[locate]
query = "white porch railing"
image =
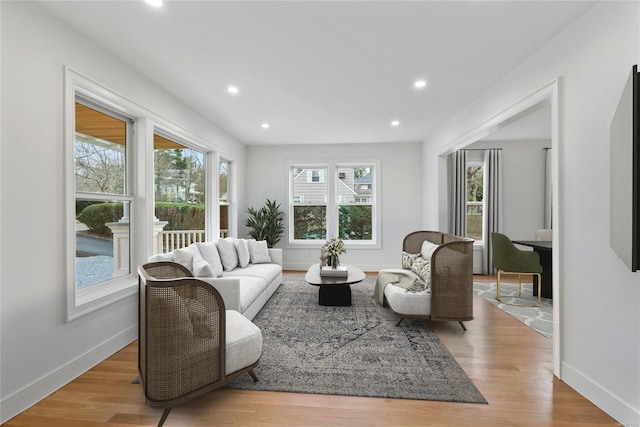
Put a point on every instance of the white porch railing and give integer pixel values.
(176, 239)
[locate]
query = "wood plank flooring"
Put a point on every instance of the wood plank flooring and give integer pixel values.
(509, 363)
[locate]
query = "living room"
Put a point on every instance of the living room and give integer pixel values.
(585, 64)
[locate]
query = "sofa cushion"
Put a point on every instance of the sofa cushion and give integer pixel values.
(244, 342)
(184, 256)
(201, 268)
(428, 249)
(269, 272)
(250, 289)
(243, 252)
(422, 268)
(258, 251)
(408, 259)
(209, 252)
(228, 253)
(403, 301)
(162, 257)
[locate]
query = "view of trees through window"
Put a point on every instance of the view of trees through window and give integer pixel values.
(352, 208)
(102, 202)
(475, 177)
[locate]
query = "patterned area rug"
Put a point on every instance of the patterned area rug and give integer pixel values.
(540, 319)
(354, 351)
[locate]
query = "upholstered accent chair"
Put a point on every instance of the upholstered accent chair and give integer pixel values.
(507, 258)
(188, 343)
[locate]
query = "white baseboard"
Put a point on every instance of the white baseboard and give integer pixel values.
(31, 394)
(623, 412)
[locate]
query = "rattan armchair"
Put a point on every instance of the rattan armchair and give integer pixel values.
(451, 296)
(188, 343)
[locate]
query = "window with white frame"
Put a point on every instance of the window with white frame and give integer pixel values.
(475, 199)
(224, 195)
(333, 200)
(111, 177)
(180, 188)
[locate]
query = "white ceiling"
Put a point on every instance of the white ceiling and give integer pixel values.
(323, 71)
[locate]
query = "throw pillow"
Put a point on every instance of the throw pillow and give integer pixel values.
(209, 252)
(259, 252)
(228, 253)
(201, 268)
(185, 256)
(243, 252)
(408, 259)
(428, 249)
(422, 268)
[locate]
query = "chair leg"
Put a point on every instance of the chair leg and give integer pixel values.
(253, 375)
(164, 416)
(400, 321)
(539, 288)
(498, 287)
(519, 285)
(462, 324)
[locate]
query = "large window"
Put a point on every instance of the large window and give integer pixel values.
(475, 198)
(180, 192)
(103, 198)
(131, 176)
(224, 171)
(333, 200)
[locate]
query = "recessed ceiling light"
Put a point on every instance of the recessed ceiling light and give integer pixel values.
(233, 89)
(156, 3)
(265, 125)
(395, 123)
(420, 84)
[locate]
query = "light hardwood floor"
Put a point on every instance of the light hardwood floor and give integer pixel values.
(509, 363)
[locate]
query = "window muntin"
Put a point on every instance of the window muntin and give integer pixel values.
(475, 200)
(102, 199)
(179, 193)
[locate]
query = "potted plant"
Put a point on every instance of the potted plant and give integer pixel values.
(266, 223)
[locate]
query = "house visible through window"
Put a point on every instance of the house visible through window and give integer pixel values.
(334, 200)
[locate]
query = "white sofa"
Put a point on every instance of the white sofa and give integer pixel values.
(245, 272)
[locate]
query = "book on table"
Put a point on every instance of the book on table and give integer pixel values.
(339, 271)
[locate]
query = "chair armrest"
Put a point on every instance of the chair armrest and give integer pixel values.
(229, 288)
(276, 255)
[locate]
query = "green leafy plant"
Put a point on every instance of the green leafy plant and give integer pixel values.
(266, 223)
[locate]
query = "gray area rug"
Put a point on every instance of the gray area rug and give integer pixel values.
(354, 351)
(540, 319)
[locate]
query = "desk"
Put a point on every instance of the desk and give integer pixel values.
(543, 248)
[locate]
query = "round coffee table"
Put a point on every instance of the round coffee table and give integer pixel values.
(334, 291)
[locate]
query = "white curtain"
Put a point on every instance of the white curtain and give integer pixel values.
(492, 215)
(548, 187)
(458, 193)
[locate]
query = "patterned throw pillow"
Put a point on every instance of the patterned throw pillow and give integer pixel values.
(422, 268)
(408, 259)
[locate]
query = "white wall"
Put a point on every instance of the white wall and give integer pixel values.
(400, 194)
(600, 297)
(39, 351)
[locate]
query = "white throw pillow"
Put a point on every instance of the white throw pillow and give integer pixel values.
(243, 252)
(201, 268)
(228, 253)
(428, 249)
(185, 256)
(209, 252)
(259, 252)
